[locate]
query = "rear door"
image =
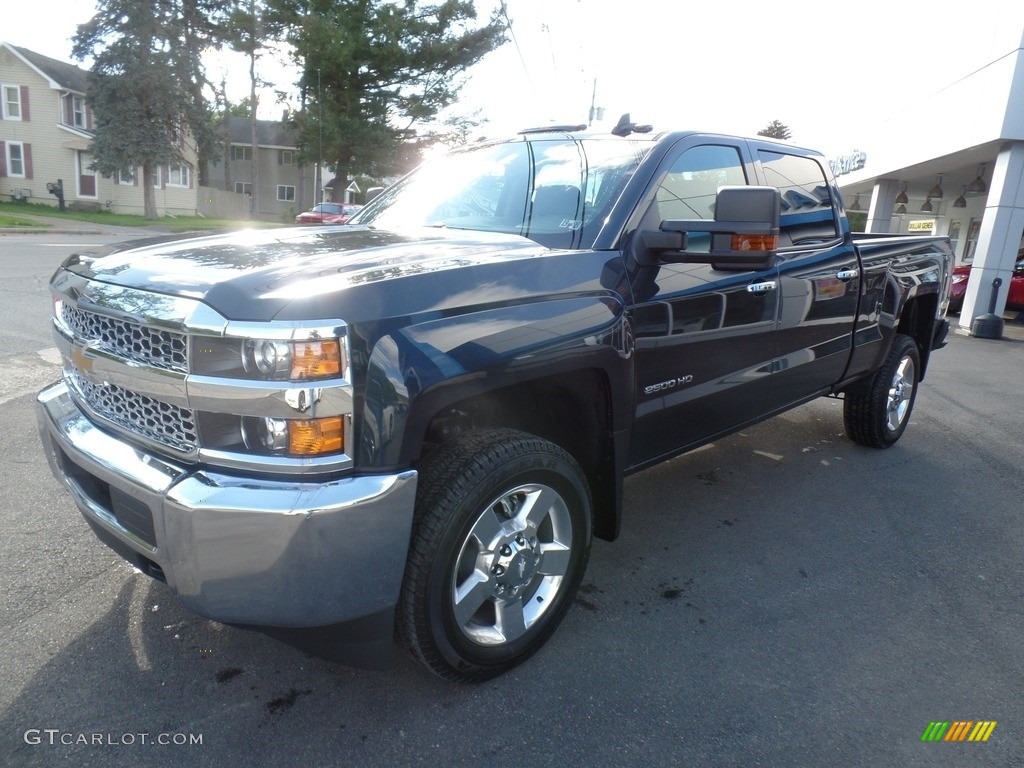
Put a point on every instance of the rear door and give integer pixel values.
(819, 278)
(703, 336)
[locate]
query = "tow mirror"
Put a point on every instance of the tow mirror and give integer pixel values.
(743, 235)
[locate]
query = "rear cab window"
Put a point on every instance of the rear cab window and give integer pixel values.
(808, 215)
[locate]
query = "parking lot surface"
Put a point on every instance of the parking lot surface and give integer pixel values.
(780, 598)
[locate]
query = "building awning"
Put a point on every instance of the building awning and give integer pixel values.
(81, 145)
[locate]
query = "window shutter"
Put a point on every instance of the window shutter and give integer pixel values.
(24, 104)
(280, 157)
(3, 159)
(26, 152)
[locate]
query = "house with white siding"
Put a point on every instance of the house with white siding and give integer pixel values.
(46, 129)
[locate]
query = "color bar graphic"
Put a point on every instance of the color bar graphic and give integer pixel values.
(959, 730)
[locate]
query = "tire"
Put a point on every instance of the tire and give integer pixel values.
(877, 415)
(499, 546)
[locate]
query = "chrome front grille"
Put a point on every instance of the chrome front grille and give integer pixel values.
(161, 422)
(131, 341)
(170, 372)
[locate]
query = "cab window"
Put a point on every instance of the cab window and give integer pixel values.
(689, 188)
(807, 214)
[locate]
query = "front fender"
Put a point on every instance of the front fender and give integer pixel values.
(421, 369)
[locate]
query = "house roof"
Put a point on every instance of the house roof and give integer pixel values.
(269, 133)
(60, 74)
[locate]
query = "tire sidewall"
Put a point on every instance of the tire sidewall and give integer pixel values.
(903, 347)
(535, 467)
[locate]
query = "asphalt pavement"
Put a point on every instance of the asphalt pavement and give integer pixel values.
(780, 598)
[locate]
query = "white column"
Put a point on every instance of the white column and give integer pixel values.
(883, 200)
(999, 238)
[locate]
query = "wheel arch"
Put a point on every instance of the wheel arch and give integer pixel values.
(560, 369)
(574, 409)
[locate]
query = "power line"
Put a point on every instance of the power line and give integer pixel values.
(515, 42)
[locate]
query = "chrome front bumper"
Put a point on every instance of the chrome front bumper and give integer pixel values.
(237, 549)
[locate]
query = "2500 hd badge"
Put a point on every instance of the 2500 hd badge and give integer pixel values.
(666, 385)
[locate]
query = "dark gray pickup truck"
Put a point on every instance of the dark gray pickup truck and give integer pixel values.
(415, 423)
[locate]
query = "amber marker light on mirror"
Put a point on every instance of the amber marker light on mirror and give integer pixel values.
(312, 437)
(316, 359)
(754, 242)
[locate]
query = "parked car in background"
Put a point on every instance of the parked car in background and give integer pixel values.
(328, 213)
(960, 275)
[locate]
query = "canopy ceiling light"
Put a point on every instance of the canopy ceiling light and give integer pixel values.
(978, 186)
(961, 202)
(936, 191)
(856, 203)
(927, 207)
(901, 198)
(901, 209)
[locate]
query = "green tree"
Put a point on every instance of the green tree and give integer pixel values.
(775, 130)
(375, 70)
(143, 84)
(200, 28)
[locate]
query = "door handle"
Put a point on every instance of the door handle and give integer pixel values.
(759, 289)
(847, 274)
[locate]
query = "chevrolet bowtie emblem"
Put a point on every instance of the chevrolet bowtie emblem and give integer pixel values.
(81, 359)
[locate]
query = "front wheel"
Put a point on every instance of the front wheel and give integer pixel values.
(877, 415)
(500, 544)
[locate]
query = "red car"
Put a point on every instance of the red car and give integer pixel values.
(328, 213)
(1014, 301)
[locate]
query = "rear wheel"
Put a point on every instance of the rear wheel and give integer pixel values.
(878, 415)
(500, 544)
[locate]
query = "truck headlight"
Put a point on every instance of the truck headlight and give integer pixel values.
(294, 360)
(272, 359)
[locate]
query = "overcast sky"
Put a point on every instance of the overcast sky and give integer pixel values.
(823, 69)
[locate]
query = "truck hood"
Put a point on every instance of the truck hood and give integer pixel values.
(255, 274)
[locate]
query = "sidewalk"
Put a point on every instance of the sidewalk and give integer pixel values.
(1011, 328)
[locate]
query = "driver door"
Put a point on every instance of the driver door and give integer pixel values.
(704, 337)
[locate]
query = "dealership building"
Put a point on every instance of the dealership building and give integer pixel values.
(953, 164)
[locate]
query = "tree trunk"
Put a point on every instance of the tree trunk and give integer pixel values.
(148, 197)
(222, 96)
(255, 200)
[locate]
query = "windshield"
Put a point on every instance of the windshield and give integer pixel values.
(555, 192)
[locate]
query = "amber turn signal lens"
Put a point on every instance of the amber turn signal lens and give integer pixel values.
(316, 359)
(313, 437)
(755, 242)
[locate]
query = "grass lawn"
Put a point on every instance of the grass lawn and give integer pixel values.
(11, 211)
(6, 221)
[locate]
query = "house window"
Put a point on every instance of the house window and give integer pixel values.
(241, 153)
(126, 176)
(11, 102)
(157, 176)
(285, 157)
(78, 112)
(178, 176)
(15, 159)
(285, 194)
(243, 187)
